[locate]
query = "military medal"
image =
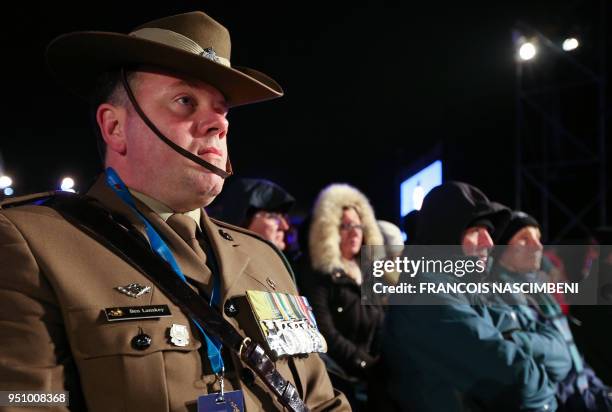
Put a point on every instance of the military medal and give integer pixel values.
(179, 335)
(287, 323)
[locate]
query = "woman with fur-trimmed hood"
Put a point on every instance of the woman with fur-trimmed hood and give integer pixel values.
(342, 221)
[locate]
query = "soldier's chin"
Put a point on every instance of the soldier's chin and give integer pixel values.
(207, 188)
(216, 185)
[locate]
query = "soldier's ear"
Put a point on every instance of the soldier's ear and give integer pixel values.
(111, 121)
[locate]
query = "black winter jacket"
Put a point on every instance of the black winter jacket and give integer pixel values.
(352, 330)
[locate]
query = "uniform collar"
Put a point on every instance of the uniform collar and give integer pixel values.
(162, 210)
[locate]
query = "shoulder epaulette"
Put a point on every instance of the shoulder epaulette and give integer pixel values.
(35, 198)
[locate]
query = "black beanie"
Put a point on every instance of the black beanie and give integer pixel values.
(518, 221)
(483, 222)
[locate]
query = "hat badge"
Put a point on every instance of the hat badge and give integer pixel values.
(210, 54)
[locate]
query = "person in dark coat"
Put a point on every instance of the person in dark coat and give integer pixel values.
(342, 221)
(258, 205)
(451, 356)
(538, 321)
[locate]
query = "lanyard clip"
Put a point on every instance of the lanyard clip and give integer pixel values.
(221, 379)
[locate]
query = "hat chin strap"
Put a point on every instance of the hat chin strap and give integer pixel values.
(214, 169)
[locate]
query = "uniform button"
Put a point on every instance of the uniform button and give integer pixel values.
(225, 235)
(230, 308)
(340, 309)
(247, 376)
(141, 341)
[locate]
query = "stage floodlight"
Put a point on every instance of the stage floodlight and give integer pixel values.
(67, 184)
(5, 182)
(527, 51)
(570, 44)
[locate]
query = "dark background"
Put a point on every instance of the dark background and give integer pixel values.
(373, 89)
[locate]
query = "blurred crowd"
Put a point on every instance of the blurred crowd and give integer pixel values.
(524, 352)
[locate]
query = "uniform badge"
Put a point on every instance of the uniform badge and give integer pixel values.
(210, 54)
(137, 312)
(179, 335)
(230, 402)
(134, 290)
(116, 312)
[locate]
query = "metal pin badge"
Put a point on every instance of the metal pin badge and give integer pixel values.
(116, 312)
(210, 54)
(225, 235)
(134, 290)
(179, 335)
(271, 282)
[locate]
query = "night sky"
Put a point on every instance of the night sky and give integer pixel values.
(373, 89)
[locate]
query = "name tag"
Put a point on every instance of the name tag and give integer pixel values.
(137, 312)
(287, 323)
(230, 402)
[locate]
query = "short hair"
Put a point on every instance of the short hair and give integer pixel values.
(108, 88)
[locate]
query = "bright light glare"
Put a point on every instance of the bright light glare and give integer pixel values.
(418, 194)
(527, 51)
(5, 182)
(570, 44)
(67, 184)
(8, 191)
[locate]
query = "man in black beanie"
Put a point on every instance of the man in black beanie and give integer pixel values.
(451, 355)
(523, 253)
(537, 322)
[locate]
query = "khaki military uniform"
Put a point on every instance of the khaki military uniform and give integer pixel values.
(55, 282)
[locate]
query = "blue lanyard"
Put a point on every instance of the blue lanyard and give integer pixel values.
(213, 345)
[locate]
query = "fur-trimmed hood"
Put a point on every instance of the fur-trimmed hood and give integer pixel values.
(324, 234)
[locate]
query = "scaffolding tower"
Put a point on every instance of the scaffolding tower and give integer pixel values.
(560, 144)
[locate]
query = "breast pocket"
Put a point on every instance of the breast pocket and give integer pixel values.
(133, 364)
